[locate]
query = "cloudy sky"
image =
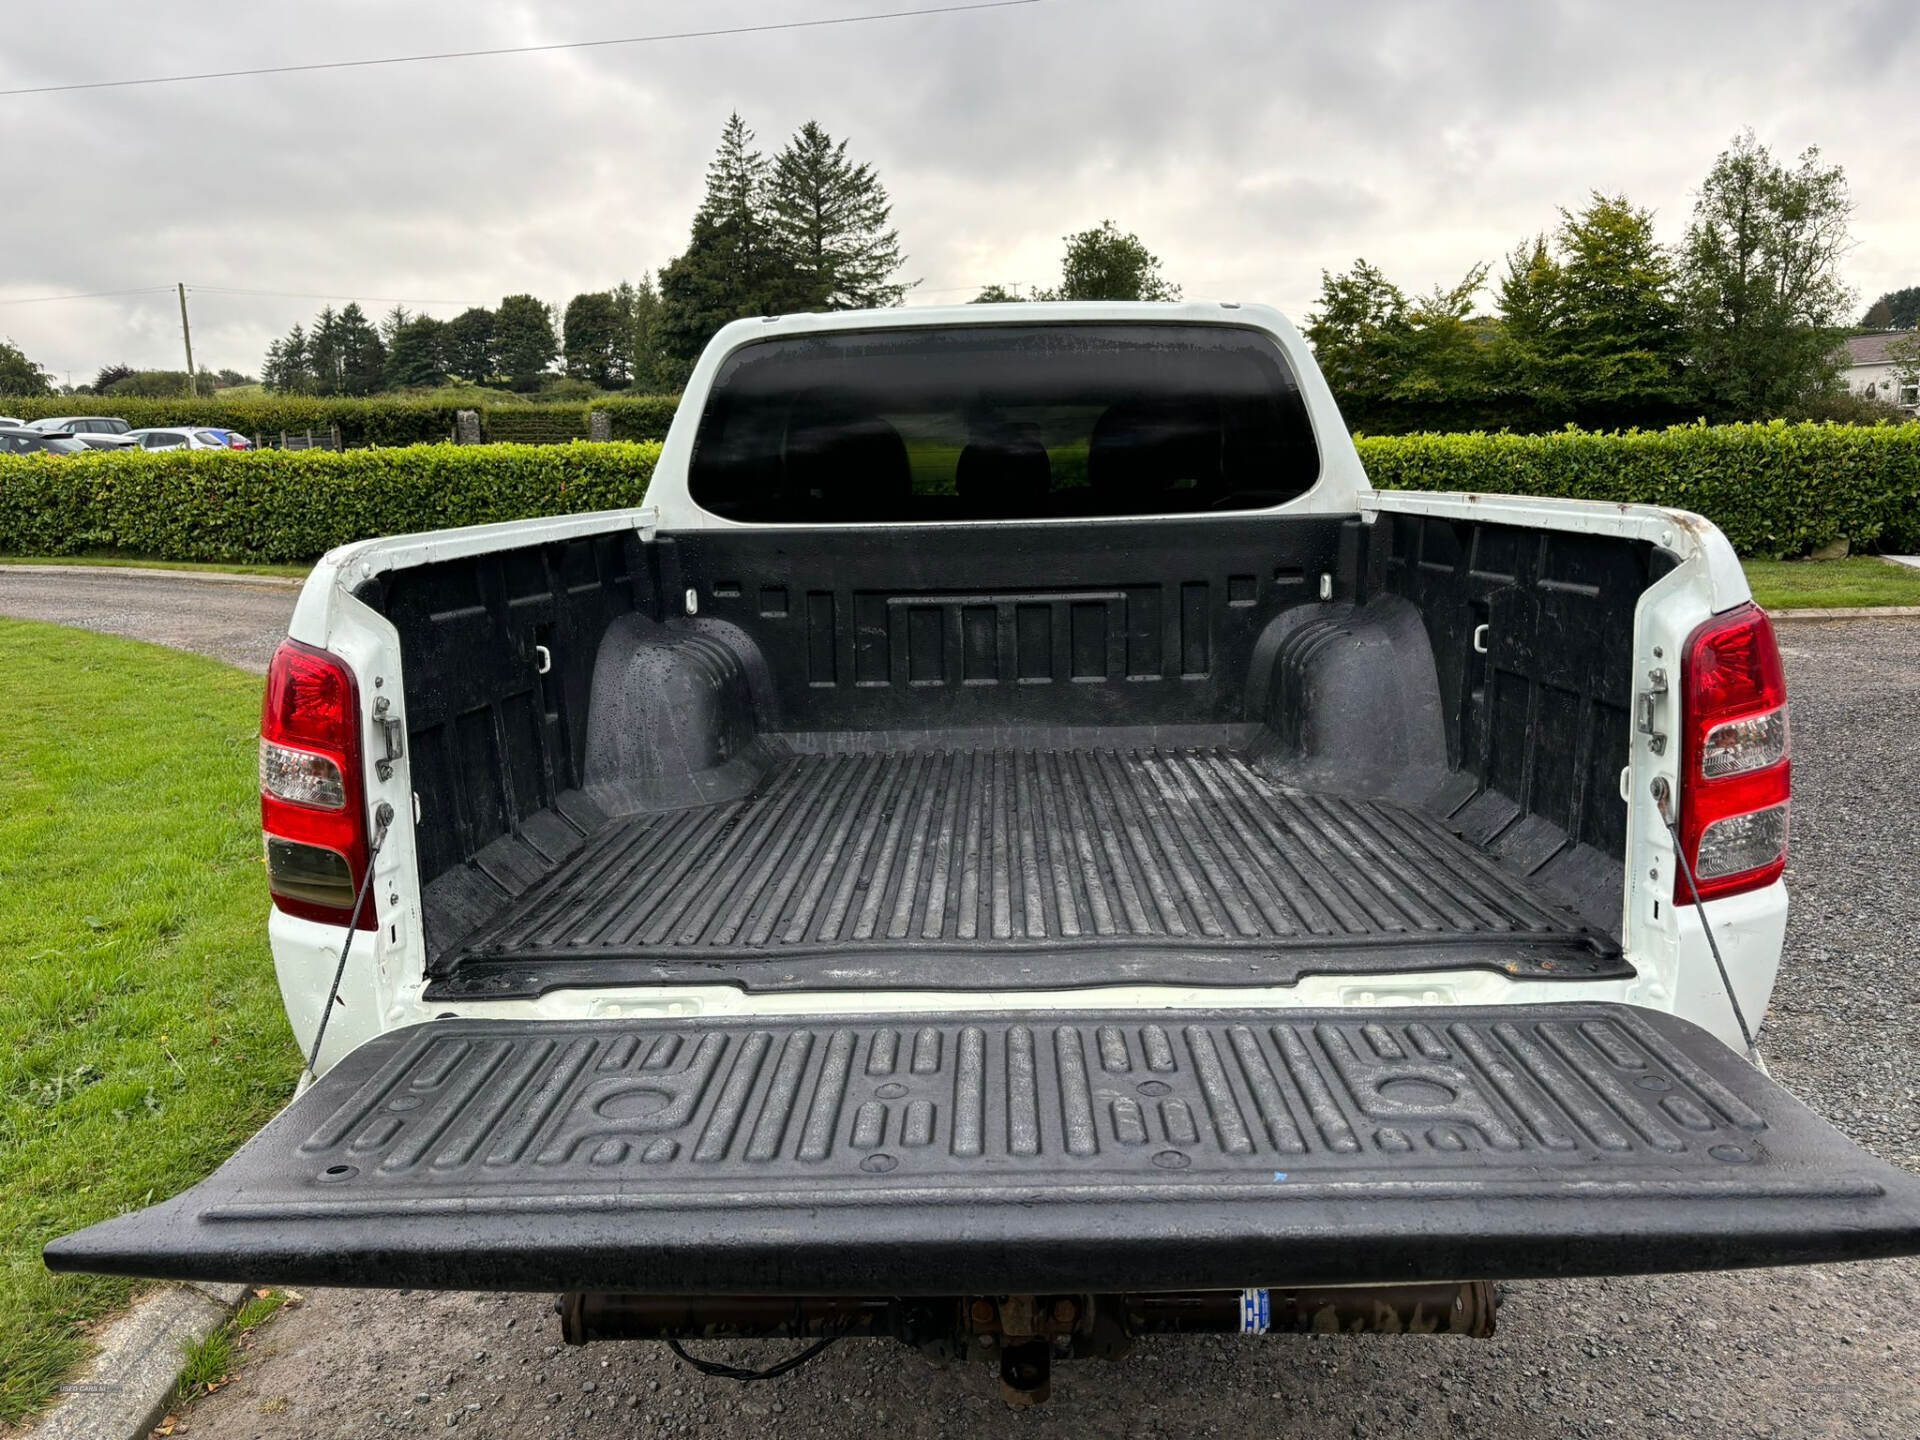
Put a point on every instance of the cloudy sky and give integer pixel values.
(1249, 142)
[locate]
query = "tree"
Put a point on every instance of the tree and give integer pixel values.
(1358, 333)
(108, 376)
(1761, 289)
(287, 366)
(1396, 363)
(19, 375)
(470, 346)
(595, 348)
(997, 295)
(393, 322)
(1895, 310)
(417, 354)
(1905, 354)
(1106, 264)
(523, 338)
(730, 268)
(827, 219)
(1593, 332)
(362, 358)
(162, 384)
(323, 353)
(647, 365)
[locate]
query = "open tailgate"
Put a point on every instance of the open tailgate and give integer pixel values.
(987, 1153)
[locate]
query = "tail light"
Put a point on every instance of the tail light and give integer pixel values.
(1736, 780)
(311, 803)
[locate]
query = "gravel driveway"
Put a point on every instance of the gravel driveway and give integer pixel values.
(1822, 1351)
(236, 620)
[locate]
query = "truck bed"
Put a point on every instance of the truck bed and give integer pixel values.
(968, 868)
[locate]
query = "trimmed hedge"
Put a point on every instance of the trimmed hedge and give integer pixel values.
(290, 505)
(1777, 490)
(377, 420)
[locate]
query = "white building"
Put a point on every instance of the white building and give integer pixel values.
(1870, 371)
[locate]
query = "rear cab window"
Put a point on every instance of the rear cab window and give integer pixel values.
(1003, 422)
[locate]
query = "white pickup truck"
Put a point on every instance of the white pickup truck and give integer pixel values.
(1015, 847)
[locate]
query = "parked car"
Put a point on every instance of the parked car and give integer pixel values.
(235, 440)
(18, 440)
(83, 424)
(108, 442)
(8, 422)
(182, 437)
(1017, 847)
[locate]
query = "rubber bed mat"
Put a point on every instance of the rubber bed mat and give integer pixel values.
(1015, 850)
(1069, 1151)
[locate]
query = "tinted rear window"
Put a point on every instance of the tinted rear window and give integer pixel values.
(1001, 423)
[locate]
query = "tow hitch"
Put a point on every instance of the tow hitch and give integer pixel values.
(1025, 1334)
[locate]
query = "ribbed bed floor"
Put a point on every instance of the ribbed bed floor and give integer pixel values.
(1015, 849)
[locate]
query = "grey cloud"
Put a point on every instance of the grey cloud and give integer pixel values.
(1250, 144)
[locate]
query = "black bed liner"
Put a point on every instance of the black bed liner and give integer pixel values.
(984, 1153)
(1105, 865)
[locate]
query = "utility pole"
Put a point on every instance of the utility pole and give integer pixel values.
(186, 334)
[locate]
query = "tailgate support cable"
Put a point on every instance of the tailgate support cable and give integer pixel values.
(382, 818)
(1661, 794)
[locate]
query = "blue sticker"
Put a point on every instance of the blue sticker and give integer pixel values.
(1279, 1175)
(1254, 1312)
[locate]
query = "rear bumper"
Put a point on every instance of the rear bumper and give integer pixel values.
(989, 1153)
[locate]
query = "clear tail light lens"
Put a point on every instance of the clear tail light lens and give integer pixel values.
(1741, 844)
(312, 807)
(1736, 779)
(301, 777)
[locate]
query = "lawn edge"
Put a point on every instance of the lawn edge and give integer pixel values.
(129, 1383)
(143, 572)
(1850, 612)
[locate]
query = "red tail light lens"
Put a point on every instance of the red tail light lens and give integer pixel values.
(311, 803)
(1736, 776)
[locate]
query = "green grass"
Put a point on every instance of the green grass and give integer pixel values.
(1861, 580)
(209, 1360)
(141, 1036)
(109, 558)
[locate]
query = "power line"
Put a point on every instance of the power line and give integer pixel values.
(306, 295)
(91, 295)
(526, 49)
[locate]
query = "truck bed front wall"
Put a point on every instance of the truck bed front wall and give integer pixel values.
(975, 1152)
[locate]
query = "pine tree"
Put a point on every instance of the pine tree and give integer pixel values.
(363, 359)
(470, 349)
(828, 218)
(286, 366)
(730, 268)
(1895, 310)
(323, 353)
(639, 353)
(393, 322)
